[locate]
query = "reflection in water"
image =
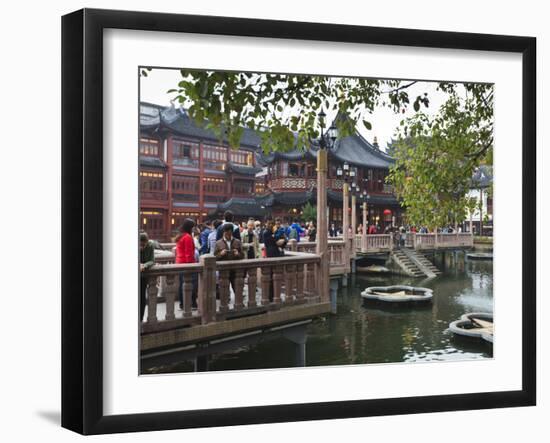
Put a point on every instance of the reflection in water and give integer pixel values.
(361, 334)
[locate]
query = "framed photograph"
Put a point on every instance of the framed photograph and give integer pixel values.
(269, 221)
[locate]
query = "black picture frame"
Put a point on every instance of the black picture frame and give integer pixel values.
(82, 188)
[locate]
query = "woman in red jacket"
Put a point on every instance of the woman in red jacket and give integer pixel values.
(185, 253)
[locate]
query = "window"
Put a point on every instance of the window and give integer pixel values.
(185, 153)
(148, 146)
(151, 181)
(295, 170)
(152, 222)
(185, 184)
(243, 187)
(260, 188)
(214, 157)
(283, 169)
(214, 185)
(242, 157)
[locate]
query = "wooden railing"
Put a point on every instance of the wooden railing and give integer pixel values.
(423, 241)
(338, 256)
(376, 243)
(409, 239)
(373, 243)
(243, 287)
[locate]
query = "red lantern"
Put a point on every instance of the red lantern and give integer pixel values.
(387, 212)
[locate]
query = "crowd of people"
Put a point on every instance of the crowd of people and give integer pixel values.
(228, 240)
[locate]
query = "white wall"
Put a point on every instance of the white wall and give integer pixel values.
(30, 184)
(475, 193)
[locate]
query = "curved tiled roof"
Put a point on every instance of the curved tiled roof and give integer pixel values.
(353, 149)
(242, 169)
(151, 162)
(242, 206)
(178, 121)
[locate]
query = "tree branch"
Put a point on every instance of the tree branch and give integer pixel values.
(399, 88)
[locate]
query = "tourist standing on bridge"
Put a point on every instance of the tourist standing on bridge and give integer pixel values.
(146, 260)
(273, 247)
(258, 228)
(294, 231)
(251, 241)
(204, 237)
(185, 253)
(212, 236)
(332, 231)
(279, 233)
(312, 232)
(229, 248)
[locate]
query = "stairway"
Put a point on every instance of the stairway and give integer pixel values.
(408, 266)
(414, 264)
(426, 265)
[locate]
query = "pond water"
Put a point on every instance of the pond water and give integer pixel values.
(361, 333)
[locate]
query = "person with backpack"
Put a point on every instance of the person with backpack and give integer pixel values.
(274, 242)
(203, 238)
(294, 231)
(279, 234)
(212, 236)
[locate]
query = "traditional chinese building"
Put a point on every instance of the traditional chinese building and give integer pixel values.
(186, 171)
(481, 189)
(291, 181)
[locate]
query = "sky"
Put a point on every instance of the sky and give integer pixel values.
(384, 121)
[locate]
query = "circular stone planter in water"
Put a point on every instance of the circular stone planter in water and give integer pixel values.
(479, 256)
(476, 325)
(397, 294)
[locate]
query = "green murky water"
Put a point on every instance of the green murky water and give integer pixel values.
(361, 333)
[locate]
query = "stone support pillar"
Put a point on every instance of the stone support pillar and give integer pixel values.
(364, 233)
(322, 225)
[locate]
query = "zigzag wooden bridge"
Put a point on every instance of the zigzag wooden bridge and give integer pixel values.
(295, 281)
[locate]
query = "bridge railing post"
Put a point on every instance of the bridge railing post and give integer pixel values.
(293, 245)
(152, 292)
(207, 289)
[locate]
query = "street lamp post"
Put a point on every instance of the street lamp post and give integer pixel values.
(364, 236)
(345, 173)
(354, 190)
(325, 141)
